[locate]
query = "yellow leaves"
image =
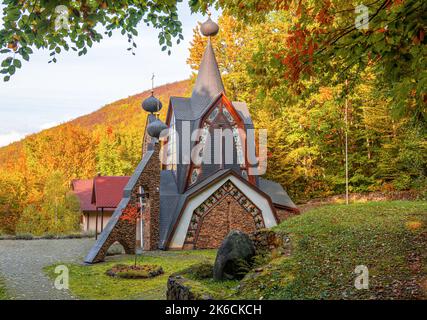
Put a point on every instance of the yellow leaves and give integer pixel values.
(325, 94)
(413, 225)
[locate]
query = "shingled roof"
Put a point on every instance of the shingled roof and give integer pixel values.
(83, 190)
(208, 84)
(108, 191)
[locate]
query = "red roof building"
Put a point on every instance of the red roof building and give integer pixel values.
(108, 191)
(98, 199)
(83, 190)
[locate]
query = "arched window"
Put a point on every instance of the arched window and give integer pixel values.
(172, 147)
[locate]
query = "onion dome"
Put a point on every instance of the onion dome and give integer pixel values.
(155, 128)
(151, 104)
(209, 28)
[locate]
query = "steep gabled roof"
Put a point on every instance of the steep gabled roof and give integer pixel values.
(208, 83)
(108, 191)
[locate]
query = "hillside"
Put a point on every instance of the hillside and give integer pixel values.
(113, 114)
(389, 238)
(107, 141)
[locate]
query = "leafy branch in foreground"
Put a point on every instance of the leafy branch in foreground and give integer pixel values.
(34, 24)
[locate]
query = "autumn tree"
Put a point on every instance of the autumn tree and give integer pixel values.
(305, 118)
(58, 212)
(132, 214)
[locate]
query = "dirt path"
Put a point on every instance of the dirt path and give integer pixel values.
(22, 262)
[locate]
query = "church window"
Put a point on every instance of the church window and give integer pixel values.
(213, 114)
(171, 151)
(194, 175)
(245, 174)
(205, 132)
(238, 143)
(227, 114)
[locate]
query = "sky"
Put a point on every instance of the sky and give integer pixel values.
(42, 95)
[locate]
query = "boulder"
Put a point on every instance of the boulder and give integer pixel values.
(234, 256)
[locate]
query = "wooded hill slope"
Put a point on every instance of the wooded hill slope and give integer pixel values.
(107, 141)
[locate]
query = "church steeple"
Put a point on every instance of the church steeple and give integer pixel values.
(208, 83)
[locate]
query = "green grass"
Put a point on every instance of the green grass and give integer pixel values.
(390, 238)
(91, 282)
(3, 293)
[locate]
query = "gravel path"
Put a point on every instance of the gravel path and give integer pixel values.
(22, 262)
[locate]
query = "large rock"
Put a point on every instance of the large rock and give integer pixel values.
(234, 256)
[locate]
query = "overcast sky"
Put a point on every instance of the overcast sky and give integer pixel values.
(42, 95)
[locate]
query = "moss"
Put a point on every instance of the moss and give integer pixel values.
(199, 271)
(135, 272)
(199, 278)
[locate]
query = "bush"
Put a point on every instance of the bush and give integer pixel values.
(24, 236)
(49, 236)
(135, 272)
(203, 270)
(88, 234)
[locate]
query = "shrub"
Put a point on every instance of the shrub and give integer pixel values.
(49, 236)
(203, 270)
(24, 236)
(135, 272)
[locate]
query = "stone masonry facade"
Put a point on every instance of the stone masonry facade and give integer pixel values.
(283, 214)
(124, 232)
(225, 210)
(149, 180)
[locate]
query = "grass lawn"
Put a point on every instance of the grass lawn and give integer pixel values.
(91, 282)
(390, 238)
(3, 294)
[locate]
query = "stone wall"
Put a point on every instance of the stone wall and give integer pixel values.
(180, 288)
(219, 221)
(123, 231)
(266, 240)
(283, 214)
(225, 210)
(149, 180)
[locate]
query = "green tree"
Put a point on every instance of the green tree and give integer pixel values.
(29, 24)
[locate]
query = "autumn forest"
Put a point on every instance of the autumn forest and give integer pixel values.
(294, 86)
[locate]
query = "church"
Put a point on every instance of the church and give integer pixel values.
(197, 179)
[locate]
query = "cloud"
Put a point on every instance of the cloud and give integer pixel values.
(10, 137)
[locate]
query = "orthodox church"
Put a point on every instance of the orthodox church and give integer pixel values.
(190, 188)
